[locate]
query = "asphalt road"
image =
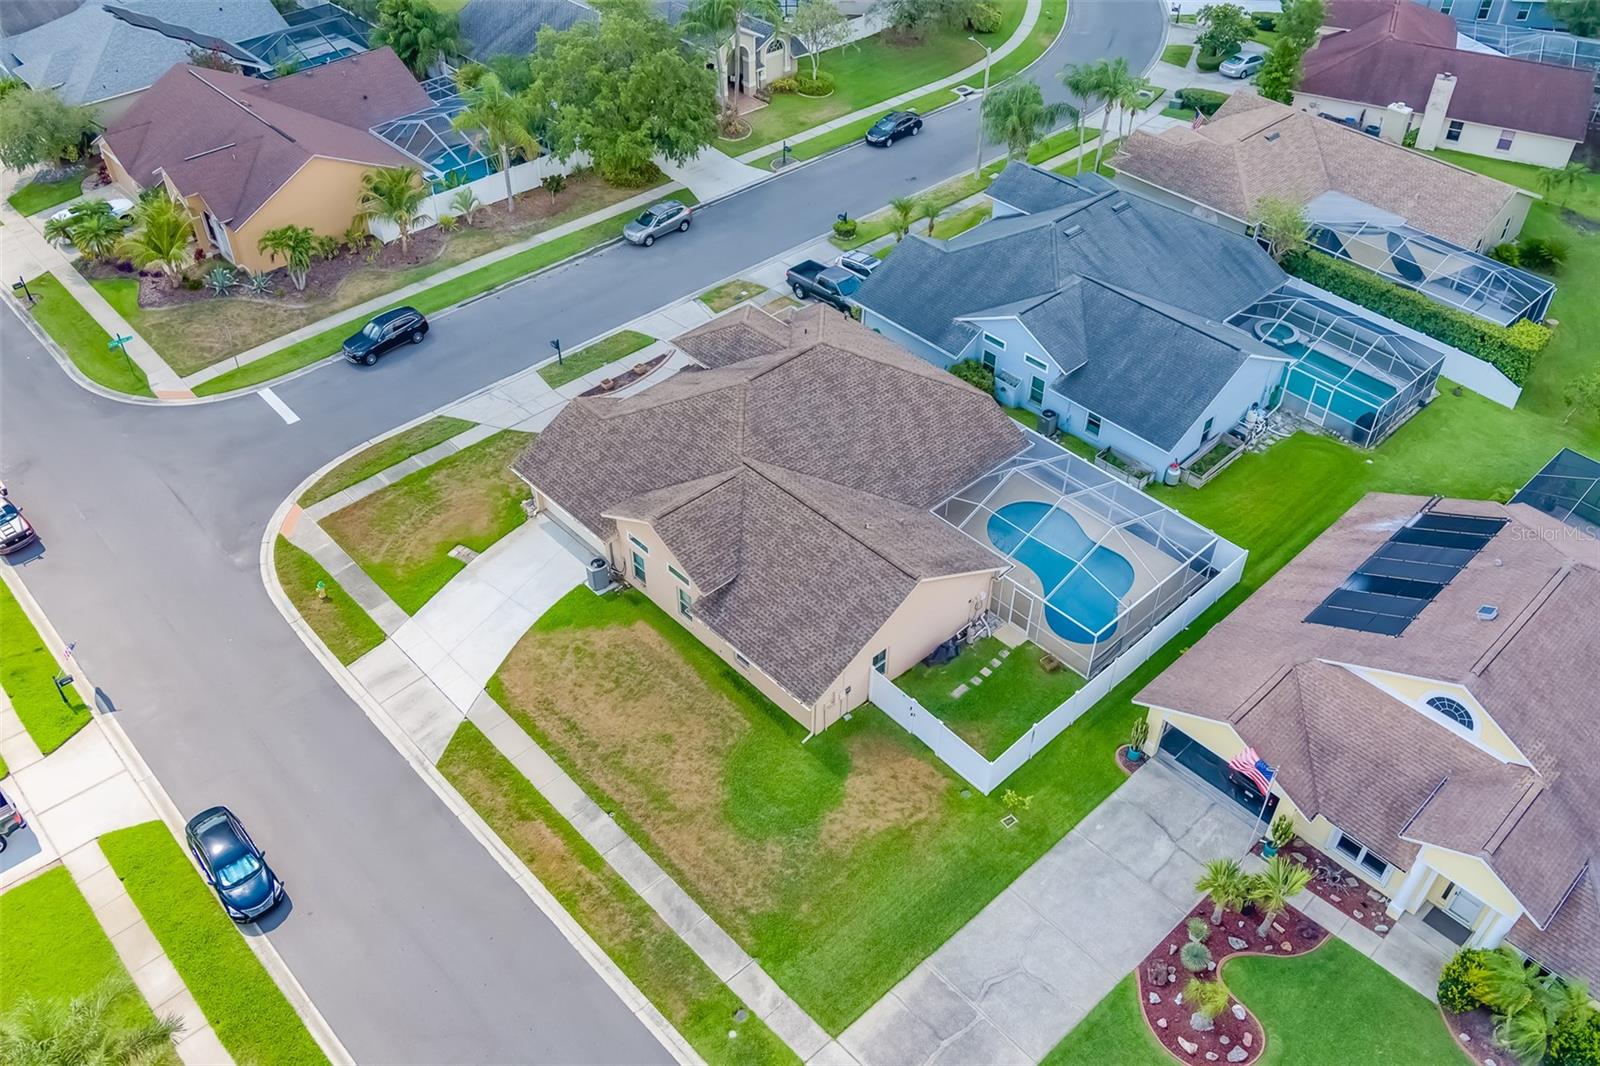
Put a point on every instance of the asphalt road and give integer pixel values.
(409, 937)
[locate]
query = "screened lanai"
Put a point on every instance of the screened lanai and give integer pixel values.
(1350, 375)
(1098, 562)
(429, 137)
(1382, 242)
(315, 35)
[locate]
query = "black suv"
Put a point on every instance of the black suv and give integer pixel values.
(384, 332)
(892, 127)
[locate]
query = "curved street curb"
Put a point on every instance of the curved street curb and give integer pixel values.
(635, 1000)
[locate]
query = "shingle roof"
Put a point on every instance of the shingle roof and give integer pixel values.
(1034, 190)
(795, 497)
(1255, 147)
(1396, 778)
(235, 140)
(1393, 50)
(496, 27)
(89, 54)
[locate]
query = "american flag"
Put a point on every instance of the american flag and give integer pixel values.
(1251, 765)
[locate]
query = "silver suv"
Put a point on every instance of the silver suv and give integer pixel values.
(657, 221)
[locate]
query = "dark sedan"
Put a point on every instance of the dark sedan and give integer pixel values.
(233, 865)
(403, 325)
(892, 127)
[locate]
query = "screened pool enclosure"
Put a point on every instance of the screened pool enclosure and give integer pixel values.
(448, 156)
(1350, 375)
(315, 35)
(1097, 563)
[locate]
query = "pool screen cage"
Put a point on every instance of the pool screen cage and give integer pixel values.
(1568, 488)
(429, 136)
(1349, 229)
(1171, 557)
(315, 35)
(1366, 379)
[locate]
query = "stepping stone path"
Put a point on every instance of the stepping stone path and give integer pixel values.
(958, 692)
(985, 671)
(974, 681)
(995, 663)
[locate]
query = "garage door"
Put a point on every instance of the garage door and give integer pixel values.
(1213, 770)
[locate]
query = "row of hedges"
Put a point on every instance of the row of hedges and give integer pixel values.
(804, 84)
(1509, 350)
(1205, 101)
(1540, 1018)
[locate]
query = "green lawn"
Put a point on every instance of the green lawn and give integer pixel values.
(1052, 17)
(643, 946)
(384, 454)
(401, 535)
(963, 220)
(60, 314)
(573, 366)
(244, 1006)
(730, 293)
(1058, 143)
(27, 672)
(1332, 1005)
(943, 196)
(35, 196)
(1585, 200)
(440, 296)
(991, 716)
(54, 949)
(1177, 54)
(1187, 114)
(347, 630)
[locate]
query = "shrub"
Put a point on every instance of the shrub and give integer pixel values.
(1265, 20)
(1511, 351)
(1507, 253)
(1208, 62)
(844, 228)
(192, 284)
(1576, 1041)
(821, 85)
(975, 374)
(985, 18)
(1208, 998)
(783, 85)
(1205, 101)
(1542, 253)
(1195, 956)
(1410, 139)
(1456, 992)
(1198, 929)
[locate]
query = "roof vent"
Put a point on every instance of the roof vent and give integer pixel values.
(1120, 206)
(1272, 136)
(1488, 613)
(1072, 230)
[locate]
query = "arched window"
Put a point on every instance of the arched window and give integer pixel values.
(775, 46)
(1454, 710)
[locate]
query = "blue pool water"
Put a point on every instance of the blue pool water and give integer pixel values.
(1050, 542)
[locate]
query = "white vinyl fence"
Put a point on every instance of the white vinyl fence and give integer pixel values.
(488, 190)
(986, 775)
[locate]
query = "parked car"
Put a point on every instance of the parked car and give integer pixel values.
(120, 206)
(232, 864)
(861, 264)
(830, 284)
(10, 820)
(658, 220)
(892, 127)
(402, 325)
(1242, 65)
(16, 532)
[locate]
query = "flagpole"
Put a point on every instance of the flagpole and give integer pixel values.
(1260, 817)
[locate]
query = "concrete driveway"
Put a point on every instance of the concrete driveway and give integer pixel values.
(1020, 975)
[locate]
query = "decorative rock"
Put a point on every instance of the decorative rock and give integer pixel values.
(1466, 1038)
(1236, 944)
(1161, 1023)
(1269, 947)
(1172, 949)
(1189, 1046)
(1154, 998)
(1357, 914)
(1373, 893)
(1381, 927)
(1211, 965)
(1333, 899)
(1211, 1056)
(1488, 1062)
(1238, 1011)
(1223, 1040)
(1286, 946)
(1248, 1038)
(1240, 925)
(1238, 1054)
(1178, 999)
(1172, 974)
(1279, 928)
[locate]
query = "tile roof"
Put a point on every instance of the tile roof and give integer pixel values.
(89, 54)
(1255, 147)
(1395, 777)
(235, 140)
(794, 495)
(1392, 50)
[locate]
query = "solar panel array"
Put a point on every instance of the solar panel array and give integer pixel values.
(1403, 576)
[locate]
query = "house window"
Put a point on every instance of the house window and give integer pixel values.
(989, 358)
(638, 568)
(1454, 710)
(637, 543)
(1453, 131)
(1504, 144)
(1036, 363)
(1522, 12)
(880, 661)
(675, 572)
(1092, 425)
(775, 46)
(684, 603)
(1444, 8)
(1036, 391)
(1205, 430)
(1483, 9)
(1358, 853)
(991, 339)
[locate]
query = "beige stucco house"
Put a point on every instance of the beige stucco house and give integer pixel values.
(248, 155)
(777, 506)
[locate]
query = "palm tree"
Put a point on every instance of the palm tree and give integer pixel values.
(714, 23)
(394, 194)
(1082, 80)
(162, 237)
(1132, 96)
(1272, 888)
(96, 235)
(504, 122)
(48, 1032)
(902, 212)
(1113, 81)
(1016, 114)
(929, 210)
(296, 245)
(1566, 179)
(1225, 882)
(466, 203)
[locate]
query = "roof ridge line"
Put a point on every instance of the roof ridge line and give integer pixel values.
(1513, 817)
(755, 468)
(1522, 619)
(246, 108)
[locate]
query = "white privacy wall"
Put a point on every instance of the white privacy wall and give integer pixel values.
(489, 190)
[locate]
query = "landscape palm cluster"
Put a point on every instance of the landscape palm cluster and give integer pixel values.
(1015, 112)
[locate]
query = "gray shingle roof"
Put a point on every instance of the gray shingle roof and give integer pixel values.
(793, 493)
(1034, 190)
(499, 27)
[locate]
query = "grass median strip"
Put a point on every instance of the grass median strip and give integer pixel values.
(1177, 54)
(574, 365)
(730, 293)
(663, 967)
(245, 1007)
(401, 535)
(28, 672)
(384, 454)
(941, 196)
(1052, 17)
(34, 197)
(961, 221)
(60, 315)
(445, 294)
(347, 630)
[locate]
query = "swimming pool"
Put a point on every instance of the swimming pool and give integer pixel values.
(1048, 541)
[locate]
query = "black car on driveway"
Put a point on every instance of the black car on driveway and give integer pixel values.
(232, 864)
(892, 127)
(403, 325)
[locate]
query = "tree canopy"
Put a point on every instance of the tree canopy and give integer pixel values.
(417, 31)
(37, 126)
(1015, 113)
(1223, 27)
(1297, 31)
(1581, 17)
(820, 26)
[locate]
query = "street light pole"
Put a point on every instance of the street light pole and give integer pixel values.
(988, 54)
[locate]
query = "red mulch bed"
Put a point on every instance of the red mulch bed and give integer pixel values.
(637, 372)
(1125, 764)
(1474, 1034)
(1351, 896)
(1160, 975)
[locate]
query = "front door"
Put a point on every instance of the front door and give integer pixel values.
(1464, 907)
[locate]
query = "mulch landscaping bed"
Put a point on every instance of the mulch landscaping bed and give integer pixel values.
(1474, 1034)
(1127, 765)
(635, 373)
(1236, 1036)
(1339, 888)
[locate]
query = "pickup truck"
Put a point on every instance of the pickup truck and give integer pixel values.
(830, 284)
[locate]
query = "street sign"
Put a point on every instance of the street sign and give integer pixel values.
(119, 342)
